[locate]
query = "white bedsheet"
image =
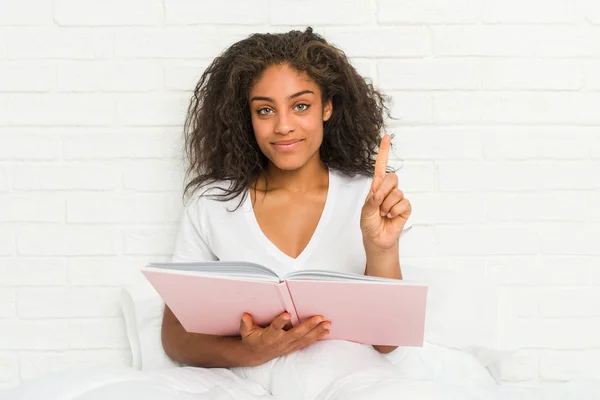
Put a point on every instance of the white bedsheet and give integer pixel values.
(329, 371)
(187, 383)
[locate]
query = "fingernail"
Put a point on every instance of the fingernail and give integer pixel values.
(327, 326)
(389, 215)
(286, 317)
(377, 196)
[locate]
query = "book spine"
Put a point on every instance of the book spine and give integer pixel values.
(287, 302)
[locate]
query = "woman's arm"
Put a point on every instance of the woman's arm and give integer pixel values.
(203, 350)
(385, 264)
(382, 218)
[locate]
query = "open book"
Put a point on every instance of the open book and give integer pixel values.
(210, 297)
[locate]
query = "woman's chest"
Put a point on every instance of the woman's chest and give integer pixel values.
(330, 240)
(290, 224)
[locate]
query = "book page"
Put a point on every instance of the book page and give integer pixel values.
(234, 269)
(320, 275)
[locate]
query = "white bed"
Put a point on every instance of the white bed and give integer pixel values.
(465, 369)
(221, 384)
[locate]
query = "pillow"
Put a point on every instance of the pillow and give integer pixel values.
(440, 364)
(142, 309)
(462, 313)
(128, 311)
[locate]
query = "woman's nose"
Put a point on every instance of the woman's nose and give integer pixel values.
(284, 125)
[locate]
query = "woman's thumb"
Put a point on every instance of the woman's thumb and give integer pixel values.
(245, 324)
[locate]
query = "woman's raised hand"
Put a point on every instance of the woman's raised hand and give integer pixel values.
(274, 341)
(386, 210)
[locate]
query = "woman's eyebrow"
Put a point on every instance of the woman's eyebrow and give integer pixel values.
(293, 96)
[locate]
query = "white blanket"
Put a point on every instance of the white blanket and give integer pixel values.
(327, 371)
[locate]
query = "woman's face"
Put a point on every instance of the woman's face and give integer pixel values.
(287, 117)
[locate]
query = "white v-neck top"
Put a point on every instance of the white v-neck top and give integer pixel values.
(210, 231)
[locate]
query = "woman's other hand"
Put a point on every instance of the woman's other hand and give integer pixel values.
(385, 210)
(273, 341)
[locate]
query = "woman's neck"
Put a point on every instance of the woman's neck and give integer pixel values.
(312, 176)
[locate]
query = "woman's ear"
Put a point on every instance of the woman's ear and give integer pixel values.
(327, 110)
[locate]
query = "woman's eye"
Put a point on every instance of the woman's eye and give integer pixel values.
(267, 111)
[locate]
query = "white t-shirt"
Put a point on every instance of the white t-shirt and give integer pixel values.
(210, 231)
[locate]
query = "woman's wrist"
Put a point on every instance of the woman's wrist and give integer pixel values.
(252, 358)
(243, 355)
(383, 263)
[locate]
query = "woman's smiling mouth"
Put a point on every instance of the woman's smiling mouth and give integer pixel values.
(287, 145)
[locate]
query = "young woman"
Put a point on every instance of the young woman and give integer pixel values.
(289, 170)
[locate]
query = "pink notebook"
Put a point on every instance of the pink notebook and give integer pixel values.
(210, 298)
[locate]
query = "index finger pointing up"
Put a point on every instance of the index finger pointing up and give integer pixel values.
(382, 157)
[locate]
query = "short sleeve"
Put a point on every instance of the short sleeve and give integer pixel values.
(191, 243)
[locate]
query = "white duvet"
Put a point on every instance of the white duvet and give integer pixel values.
(329, 370)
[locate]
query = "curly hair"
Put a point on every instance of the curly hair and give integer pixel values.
(219, 138)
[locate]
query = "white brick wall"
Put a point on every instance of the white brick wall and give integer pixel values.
(497, 133)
